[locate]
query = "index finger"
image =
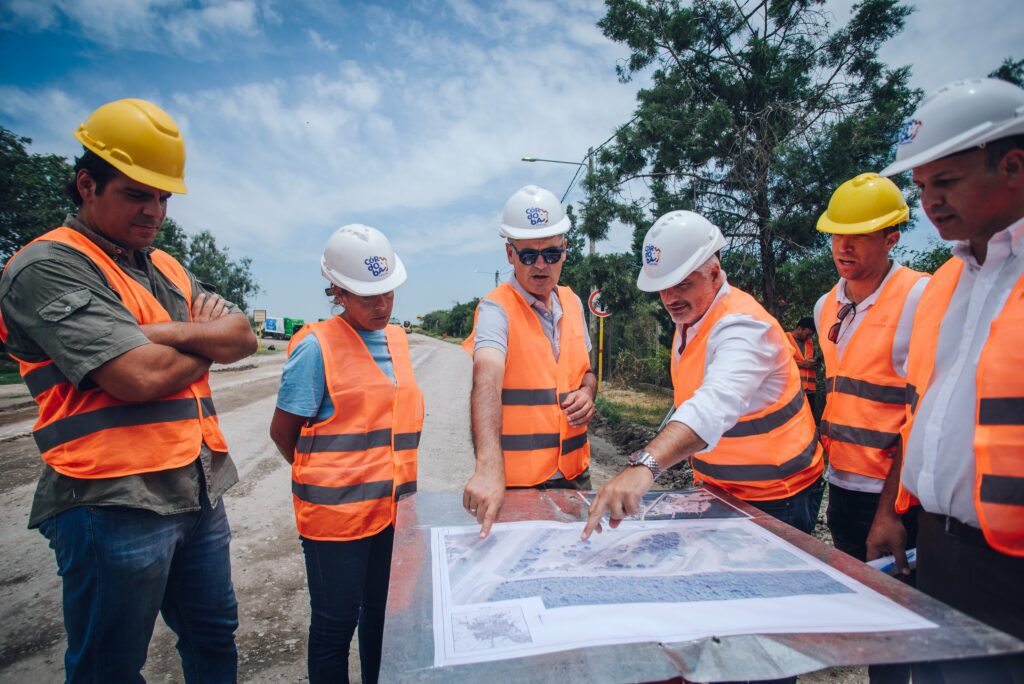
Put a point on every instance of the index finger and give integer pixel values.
(597, 509)
(489, 517)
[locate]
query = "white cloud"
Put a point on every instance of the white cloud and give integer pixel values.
(146, 25)
(320, 43)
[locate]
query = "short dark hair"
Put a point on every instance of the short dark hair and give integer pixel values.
(101, 171)
(889, 230)
(807, 322)
(997, 149)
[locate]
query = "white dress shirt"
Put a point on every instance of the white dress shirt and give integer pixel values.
(745, 370)
(938, 464)
(900, 346)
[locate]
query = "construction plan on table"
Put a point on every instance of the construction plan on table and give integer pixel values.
(533, 587)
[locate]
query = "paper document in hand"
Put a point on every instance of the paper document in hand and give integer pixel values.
(534, 587)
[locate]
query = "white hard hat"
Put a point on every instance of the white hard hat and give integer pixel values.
(676, 245)
(360, 259)
(532, 213)
(957, 117)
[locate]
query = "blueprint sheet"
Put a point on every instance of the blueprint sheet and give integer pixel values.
(533, 587)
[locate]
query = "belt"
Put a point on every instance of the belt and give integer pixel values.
(960, 530)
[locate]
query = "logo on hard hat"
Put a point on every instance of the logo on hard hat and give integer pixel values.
(908, 131)
(376, 265)
(537, 216)
(652, 255)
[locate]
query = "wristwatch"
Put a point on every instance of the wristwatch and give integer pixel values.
(642, 457)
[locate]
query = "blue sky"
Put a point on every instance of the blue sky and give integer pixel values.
(304, 115)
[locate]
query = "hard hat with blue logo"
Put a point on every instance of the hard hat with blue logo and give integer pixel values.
(676, 245)
(531, 213)
(958, 117)
(360, 259)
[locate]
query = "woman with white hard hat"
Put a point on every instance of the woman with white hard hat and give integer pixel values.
(348, 419)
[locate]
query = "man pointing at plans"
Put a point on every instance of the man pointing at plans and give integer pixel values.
(741, 415)
(533, 390)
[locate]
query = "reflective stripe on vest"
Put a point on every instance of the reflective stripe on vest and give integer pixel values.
(865, 398)
(808, 377)
(999, 410)
(536, 437)
(86, 433)
(769, 454)
(350, 470)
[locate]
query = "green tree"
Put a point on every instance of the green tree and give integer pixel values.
(232, 280)
(1011, 70)
(757, 111)
(173, 239)
(32, 193)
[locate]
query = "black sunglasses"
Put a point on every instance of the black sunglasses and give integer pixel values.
(833, 332)
(528, 257)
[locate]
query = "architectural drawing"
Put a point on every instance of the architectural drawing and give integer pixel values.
(534, 587)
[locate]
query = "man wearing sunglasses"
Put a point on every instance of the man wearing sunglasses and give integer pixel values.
(741, 415)
(964, 435)
(533, 390)
(868, 316)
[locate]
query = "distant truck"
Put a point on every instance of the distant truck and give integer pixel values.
(278, 328)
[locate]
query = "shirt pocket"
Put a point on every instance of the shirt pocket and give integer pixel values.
(73, 321)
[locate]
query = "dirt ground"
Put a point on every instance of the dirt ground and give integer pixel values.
(267, 564)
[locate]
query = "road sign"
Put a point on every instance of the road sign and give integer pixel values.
(596, 308)
(259, 315)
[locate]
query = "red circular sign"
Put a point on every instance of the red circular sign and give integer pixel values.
(596, 308)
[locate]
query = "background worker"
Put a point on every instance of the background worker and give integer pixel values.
(802, 339)
(868, 314)
(115, 341)
(964, 435)
(348, 419)
(741, 416)
(533, 390)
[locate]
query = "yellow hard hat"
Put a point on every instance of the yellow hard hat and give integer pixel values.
(140, 140)
(863, 205)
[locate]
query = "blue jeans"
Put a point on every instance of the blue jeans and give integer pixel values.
(121, 566)
(348, 586)
(799, 510)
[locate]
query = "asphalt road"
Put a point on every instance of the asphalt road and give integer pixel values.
(267, 565)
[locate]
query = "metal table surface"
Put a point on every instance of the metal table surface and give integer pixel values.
(408, 652)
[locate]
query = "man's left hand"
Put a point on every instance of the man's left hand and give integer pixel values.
(579, 407)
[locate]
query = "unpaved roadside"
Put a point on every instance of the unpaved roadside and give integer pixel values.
(267, 564)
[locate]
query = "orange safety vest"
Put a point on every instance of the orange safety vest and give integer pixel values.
(87, 433)
(350, 470)
(769, 454)
(536, 438)
(808, 378)
(999, 408)
(865, 398)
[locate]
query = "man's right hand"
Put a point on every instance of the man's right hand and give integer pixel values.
(888, 536)
(483, 496)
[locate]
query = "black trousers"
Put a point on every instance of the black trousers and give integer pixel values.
(849, 516)
(956, 566)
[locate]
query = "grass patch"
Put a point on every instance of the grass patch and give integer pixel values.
(9, 378)
(633, 404)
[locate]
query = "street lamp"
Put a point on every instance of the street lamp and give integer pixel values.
(589, 163)
(591, 243)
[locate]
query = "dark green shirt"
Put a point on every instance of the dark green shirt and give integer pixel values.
(57, 304)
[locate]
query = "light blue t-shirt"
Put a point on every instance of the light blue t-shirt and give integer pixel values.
(303, 389)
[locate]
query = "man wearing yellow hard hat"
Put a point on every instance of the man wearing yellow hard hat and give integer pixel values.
(864, 325)
(115, 340)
